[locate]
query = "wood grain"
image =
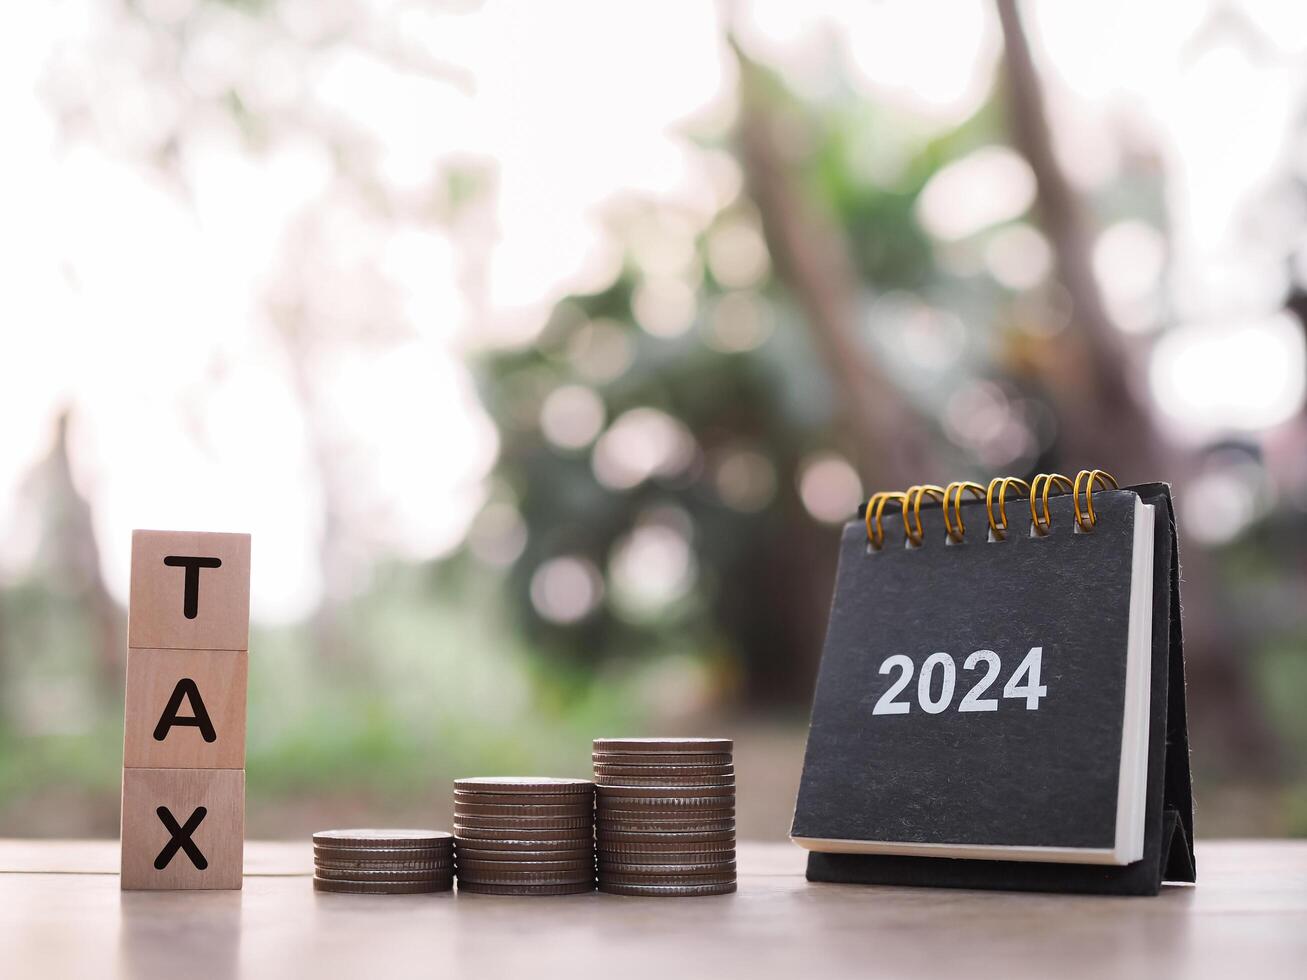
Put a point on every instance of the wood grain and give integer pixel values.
(1244, 919)
(156, 617)
(220, 836)
(220, 678)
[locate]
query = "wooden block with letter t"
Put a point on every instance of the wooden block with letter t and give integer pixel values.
(190, 590)
(185, 709)
(183, 828)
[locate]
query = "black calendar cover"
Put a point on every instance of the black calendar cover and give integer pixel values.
(1026, 765)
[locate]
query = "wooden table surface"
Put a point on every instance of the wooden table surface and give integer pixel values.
(63, 915)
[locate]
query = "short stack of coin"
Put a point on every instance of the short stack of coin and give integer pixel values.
(383, 862)
(665, 815)
(524, 835)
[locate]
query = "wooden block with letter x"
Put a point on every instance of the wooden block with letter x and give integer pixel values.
(185, 709)
(183, 828)
(190, 590)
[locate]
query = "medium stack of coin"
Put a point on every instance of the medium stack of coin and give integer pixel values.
(524, 835)
(383, 862)
(665, 815)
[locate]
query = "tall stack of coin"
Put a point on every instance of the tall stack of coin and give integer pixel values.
(665, 815)
(383, 862)
(524, 835)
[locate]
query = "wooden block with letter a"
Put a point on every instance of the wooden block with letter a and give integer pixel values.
(185, 709)
(183, 828)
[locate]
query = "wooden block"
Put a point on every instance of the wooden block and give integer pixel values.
(185, 709)
(183, 828)
(190, 591)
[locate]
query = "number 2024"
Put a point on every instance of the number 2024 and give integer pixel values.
(1023, 684)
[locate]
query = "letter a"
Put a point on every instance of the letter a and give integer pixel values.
(199, 718)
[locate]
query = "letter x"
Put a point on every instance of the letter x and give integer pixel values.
(181, 838)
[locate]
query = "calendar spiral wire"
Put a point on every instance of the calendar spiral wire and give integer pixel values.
(995, 496)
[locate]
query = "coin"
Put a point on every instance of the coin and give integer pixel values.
(603, 781)
(578, 804)
(444, 864)
(462, 822)
(385, 854)
(627, 807)
(528, 877)
(671, 822)
(367, 837)
(666, 891)
(496, 844)
(685, 813)
(476, 888)
(667, 827)
(521, 810)
(706, 878)
(616, 860)
(636, 850)
(534, 785)
(693, 793)
(663, 758)
(658, 811)
(383, 887)
(390, 874)
(620, 862)
(572, 834)
(679, 839)
(476, 853)
(671, 873)
(658, 745)
(606, 769)
(698, 814)
(483, 868)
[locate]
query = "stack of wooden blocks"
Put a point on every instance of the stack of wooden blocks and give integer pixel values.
(183, 815)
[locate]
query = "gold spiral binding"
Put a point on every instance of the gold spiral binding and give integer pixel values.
(955, 490)
(1046, 481)
(999, 527)
(913, 529)
(995, 496)
(1091, 477)
(875, 514)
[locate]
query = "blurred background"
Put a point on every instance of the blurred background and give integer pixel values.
(544, 348)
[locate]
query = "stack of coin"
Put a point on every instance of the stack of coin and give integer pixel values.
(665, 815)
(524, 835)
(383, 862)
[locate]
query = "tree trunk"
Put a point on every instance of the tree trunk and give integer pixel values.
(76, 556)
(1103, 424)
(813, 259)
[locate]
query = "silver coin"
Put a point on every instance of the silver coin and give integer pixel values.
(354, 874)
(660, 745)
(446, 863)
(495, 822)
(478, 888)
(485, 869)
(383, 887)
(532, 854)
(667, 891)
(659, 782)
(462, 809)
(523, 834)
(608, 870)
(535, 785)
(663, 759)
(664, 838)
